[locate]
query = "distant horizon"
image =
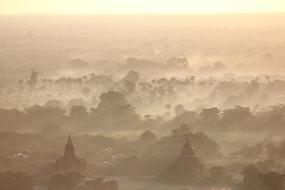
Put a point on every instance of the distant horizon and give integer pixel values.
(142, 14)
(141, 7)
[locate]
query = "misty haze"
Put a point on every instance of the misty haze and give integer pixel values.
(142, 101)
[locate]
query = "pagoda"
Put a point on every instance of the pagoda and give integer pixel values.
(69, 162)
(187, 168)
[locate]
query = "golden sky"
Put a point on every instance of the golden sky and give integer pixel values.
(140, 6)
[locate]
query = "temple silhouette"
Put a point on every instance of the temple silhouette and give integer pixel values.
(186, 168)
(69, 162)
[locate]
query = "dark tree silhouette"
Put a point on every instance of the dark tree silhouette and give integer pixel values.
(16, 181)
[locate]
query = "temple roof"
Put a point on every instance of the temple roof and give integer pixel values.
(187, 151)
(69, 148)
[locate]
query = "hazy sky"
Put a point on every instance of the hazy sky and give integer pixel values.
(140, 6)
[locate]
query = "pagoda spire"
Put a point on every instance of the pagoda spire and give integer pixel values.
(186, 168)
(187, 150)
(69, 148)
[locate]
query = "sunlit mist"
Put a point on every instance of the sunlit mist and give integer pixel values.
(140, 6)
